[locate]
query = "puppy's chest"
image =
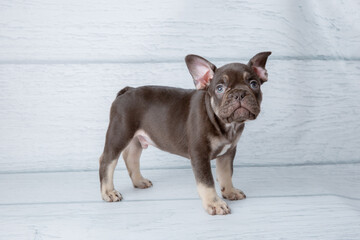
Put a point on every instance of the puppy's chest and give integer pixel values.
(220, 145)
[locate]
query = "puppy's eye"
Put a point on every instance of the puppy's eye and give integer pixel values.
(254, 84)
(220, 88)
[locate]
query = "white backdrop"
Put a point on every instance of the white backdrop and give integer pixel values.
(62, 63)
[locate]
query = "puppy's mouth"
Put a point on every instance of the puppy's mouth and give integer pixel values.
(241, 114)
(244, 111)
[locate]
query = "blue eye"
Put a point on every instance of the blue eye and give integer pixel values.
(220, 88)
(254, 84)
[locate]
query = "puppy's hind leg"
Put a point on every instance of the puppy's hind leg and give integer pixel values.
(116, 141)
(131, 157)
(106, 172)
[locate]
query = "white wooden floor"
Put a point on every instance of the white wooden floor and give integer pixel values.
(298, 202)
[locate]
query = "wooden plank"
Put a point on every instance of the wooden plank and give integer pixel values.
(90, 31)
(54, 117)
(283, 202)
(271, 218)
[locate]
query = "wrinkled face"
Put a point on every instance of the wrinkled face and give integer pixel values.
(234, 89)
(235, 93)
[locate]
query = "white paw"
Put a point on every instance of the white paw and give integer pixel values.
(142, 183)
(233, 194)
(111, 196)
(216, 206)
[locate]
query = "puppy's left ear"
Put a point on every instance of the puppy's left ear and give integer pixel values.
(201, 70)
(257, 63)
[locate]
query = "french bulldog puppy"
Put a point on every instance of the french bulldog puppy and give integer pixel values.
(202, 125)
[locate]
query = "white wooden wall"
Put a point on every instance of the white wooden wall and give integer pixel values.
(62, 63)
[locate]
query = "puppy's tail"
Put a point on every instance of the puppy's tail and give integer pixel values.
(124, 90)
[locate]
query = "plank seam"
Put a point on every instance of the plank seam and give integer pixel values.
(179, 199)
(172, 60)
(188, 167)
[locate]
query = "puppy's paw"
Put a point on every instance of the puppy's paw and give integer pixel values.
(111, 196)
(216, 207)
(233, 194)
(142, 183)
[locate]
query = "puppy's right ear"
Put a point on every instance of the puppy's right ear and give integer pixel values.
(201, 70)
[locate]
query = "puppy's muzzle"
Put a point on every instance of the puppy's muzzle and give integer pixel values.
(246, 100)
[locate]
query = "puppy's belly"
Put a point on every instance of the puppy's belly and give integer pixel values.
(164, 144)
(144, 139)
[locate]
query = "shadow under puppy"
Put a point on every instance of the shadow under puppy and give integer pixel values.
(201, 125)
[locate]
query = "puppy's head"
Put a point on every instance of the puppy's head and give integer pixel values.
(234, 88)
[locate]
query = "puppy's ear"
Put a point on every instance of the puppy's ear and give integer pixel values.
(201, 70)
(257, 63)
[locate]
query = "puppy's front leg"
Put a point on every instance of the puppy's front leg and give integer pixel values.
(212, 203)
(224, 171)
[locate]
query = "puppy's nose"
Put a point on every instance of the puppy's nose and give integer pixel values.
(238, 95)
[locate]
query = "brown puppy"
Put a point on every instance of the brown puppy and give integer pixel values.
(201, 125)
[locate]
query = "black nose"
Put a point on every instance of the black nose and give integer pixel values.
(238, 95)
